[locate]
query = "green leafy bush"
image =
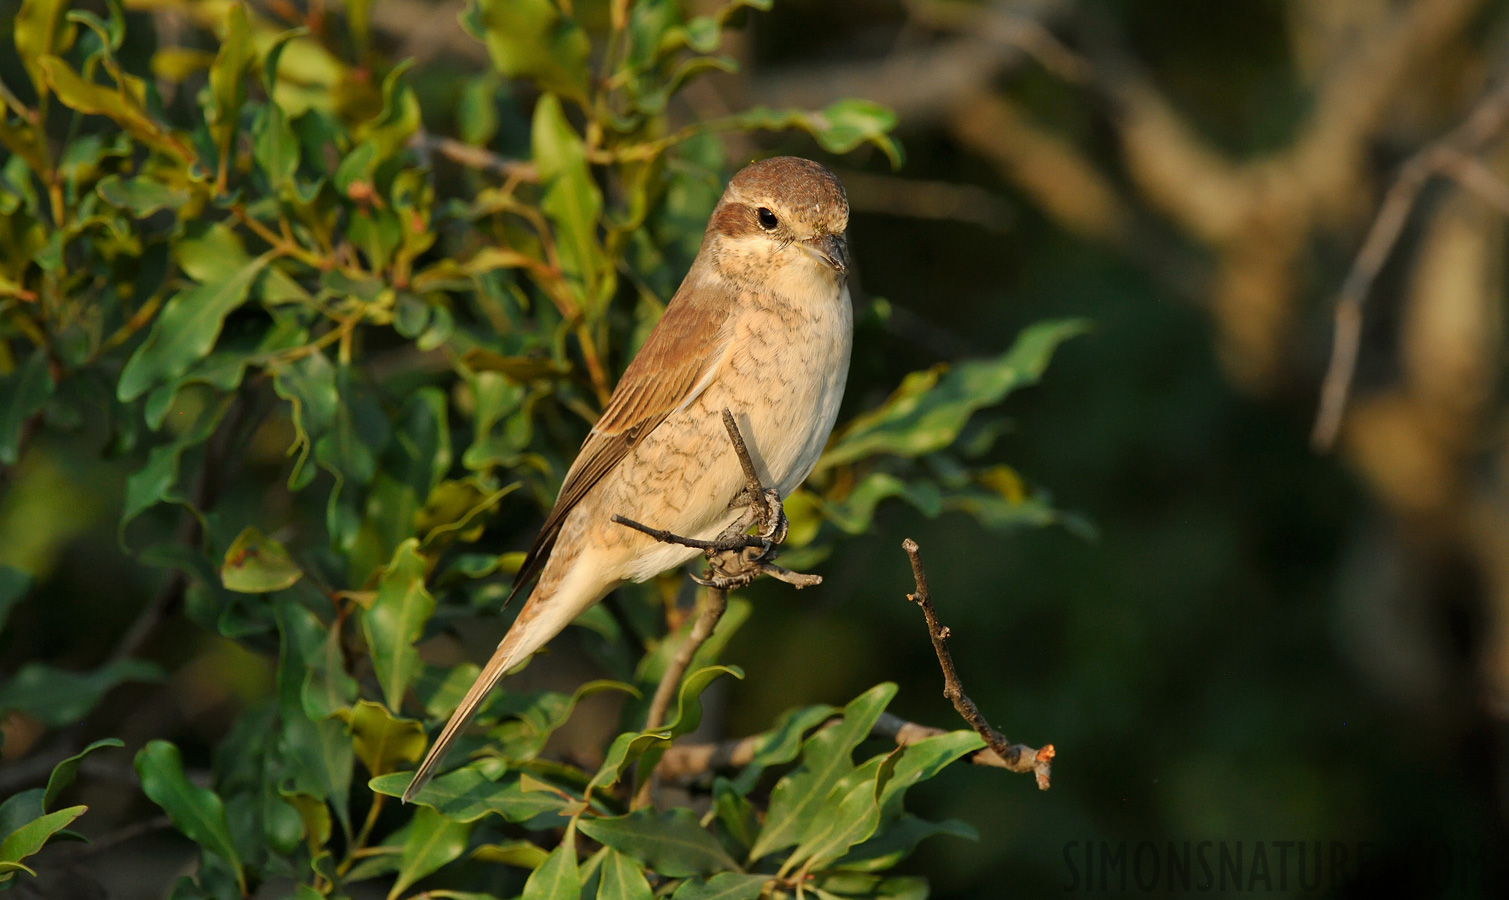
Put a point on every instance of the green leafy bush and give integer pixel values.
(348, 342)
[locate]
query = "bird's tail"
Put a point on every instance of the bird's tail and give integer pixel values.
(541, 619)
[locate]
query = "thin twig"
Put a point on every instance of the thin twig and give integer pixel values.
(720, 545)
(1451, 156)
(751, 477)
(1016, 757)
(478, 158)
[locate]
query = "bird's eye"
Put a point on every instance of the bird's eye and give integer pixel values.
(768, 220)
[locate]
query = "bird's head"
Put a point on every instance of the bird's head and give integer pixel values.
(781, 222)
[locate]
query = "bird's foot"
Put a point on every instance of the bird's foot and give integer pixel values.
(773, 528)
(732, 569)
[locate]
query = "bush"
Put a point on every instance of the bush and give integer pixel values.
(347, 343)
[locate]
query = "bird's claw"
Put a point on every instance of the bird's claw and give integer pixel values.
(776, 524)
(736, 568)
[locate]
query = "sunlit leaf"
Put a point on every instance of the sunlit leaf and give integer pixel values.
(840, 128)
(533, 39)
(467, 795)
(825, 761)
(571, 201)
(558, 877)
(255, 564)
(63, 773)
(930, 408)
(29, 838)
(383, 742)
(723, 886)
(621, 878)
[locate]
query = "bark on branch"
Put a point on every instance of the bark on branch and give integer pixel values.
(1017, 757)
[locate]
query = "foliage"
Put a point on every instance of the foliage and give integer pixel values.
(261, 260)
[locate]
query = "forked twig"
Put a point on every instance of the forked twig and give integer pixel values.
(1017, 757)
(1451, 156)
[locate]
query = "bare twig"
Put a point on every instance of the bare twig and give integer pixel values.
(1451, 156)
(478, 158)
(1016, 757)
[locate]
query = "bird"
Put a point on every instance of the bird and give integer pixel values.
(762, 326)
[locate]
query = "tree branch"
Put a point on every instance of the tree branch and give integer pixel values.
(1452, 155)
(687, 761)
(1017, 757)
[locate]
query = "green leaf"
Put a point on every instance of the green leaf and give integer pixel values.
(257, 565)
(520, 854)
(558, 877)
(59, 697)
(228, 77)
(931, 407)
(195, 811)
(723, 886)
(63, 772)
(781, 744)
(309, 386)
(23, 393)
(141, 196)
(843, 126)
(849, 814)
(158, 480)
(826, 759)
(570, 198)
(432, 842)
(395, 620)
(621, 878)
(122, 105)
(533, 39)
(29, 838)
(383, 742)
(275, 146)
(895, 841)
(671, 843)
(40, 29)
(467, 795)
(528, 720)
(629, 747)
(185, 330)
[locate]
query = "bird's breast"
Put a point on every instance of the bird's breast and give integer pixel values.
(787, 367)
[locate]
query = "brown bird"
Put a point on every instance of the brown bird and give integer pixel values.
(762, 326)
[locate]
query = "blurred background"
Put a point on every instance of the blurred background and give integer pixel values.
(1263, 640)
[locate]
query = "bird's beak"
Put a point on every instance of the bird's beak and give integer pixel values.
(829, 249)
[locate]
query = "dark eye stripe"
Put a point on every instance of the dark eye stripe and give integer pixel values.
(767, 218)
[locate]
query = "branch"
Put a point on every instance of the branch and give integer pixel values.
(1016, 757)
(686, 761)
(1452, 155)
(475, 157)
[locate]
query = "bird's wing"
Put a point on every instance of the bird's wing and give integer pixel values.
(677, 361)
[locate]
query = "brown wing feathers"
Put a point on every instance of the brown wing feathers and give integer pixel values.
(661, 377)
